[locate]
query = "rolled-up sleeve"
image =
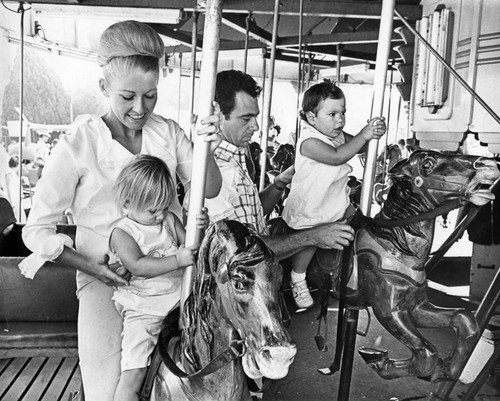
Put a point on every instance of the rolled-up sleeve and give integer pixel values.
(54, 194)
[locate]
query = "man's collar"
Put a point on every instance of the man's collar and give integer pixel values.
(225, 145)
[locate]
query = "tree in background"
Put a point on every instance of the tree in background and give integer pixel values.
(45, 100)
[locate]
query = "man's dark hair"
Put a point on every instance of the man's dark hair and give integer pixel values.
(228, 84)
(316, 94)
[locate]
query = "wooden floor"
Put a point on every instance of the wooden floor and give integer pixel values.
(39, 379)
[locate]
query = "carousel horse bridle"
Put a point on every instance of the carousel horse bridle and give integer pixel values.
(236, 349)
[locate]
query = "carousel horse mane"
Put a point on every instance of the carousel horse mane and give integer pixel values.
(402, 203)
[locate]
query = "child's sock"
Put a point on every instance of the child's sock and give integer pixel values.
(296, 277)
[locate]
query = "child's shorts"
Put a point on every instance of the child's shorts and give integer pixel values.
(139, 337)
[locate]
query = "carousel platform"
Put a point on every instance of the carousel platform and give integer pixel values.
(448, 283)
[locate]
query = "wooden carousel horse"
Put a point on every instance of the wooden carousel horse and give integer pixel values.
(233, 310)
(283, 158)
(390, 252)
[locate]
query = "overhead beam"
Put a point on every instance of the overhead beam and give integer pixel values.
(335, 38)
(318, 8)
(238, 23)
(184, 38)
(224, 45)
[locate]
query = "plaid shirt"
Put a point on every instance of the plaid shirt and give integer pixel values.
(239, 197)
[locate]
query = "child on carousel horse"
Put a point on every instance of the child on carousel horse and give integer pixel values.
(148, 242)
(319, 192)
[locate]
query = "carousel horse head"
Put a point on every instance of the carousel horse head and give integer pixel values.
(284, 157)
(235, 296)
(439, 177)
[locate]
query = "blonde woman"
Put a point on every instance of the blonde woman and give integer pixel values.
(80, 175)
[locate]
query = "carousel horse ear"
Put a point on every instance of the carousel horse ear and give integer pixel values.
(401, 168)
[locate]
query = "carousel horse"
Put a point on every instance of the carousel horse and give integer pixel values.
(283, 158)
(391, 250)
(233, 310)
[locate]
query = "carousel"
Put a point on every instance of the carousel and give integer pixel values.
(233, 337)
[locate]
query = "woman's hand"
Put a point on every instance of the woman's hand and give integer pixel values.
(102, 271)
(211, 127)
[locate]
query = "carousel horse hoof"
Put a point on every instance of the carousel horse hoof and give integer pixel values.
(373, 355)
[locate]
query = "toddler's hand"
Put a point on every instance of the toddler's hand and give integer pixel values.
(202, 219)
(374, 129)
(186, 256)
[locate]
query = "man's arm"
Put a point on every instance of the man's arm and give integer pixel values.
(332, 235)
(272, 193)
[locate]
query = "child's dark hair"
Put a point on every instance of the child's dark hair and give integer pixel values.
(316, 94)
(145, 182)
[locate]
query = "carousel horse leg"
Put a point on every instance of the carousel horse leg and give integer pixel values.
(424, 357)
(465, 327)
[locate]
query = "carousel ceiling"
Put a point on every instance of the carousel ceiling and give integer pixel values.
(329, 27)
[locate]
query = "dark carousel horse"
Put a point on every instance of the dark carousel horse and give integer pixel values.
(233, 305)
(392, 249)
(283, 158)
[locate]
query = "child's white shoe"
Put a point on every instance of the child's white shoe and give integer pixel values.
(301, 294)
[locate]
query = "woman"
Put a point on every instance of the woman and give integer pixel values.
(79, 176)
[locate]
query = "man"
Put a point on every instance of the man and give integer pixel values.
(237, 94)
(239, 199)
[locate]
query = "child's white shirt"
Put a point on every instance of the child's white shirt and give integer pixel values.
(155, 295)
(319, 193)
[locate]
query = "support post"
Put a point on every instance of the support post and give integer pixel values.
(299, 70)
(383, 49)
(194, 43)
(268, 98)
(247, 31)
(211, 35)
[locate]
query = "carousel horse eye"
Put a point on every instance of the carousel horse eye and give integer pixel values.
(428, 164)
(240, 282)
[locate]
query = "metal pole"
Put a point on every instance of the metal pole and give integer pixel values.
(299, 70)
(194, 43)
(339, 61)
(449, 68)
(21, 113)
(383, 49)
(245, 54)
(211, 35)
(268, 97)
(180, 88)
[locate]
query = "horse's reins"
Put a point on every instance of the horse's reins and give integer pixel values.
(236, 349)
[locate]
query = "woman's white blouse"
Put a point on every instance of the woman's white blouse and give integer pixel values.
(79, 176)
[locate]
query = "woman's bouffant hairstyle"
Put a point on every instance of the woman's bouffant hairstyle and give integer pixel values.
(129, 44)
(228, 84)
(316, 94)
(145, 182)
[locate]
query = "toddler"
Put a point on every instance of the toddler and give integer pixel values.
(148, 242)
(319, 193)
